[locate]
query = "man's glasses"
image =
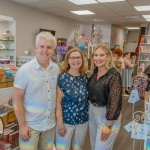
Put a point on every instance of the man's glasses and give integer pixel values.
(75, 58)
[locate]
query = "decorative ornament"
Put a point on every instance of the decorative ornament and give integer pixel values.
(96, 35)
(113, 36)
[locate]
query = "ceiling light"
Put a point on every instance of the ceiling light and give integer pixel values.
(97, 20)
(132, 28)
(132, 17)
(107, 1)
(148, 19)
(83, 12)
(146, 16)
(83, 2)
(142, 8)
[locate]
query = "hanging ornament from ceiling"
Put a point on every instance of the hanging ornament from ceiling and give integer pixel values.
(96, 35)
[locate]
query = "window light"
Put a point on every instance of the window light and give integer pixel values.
(83, 12)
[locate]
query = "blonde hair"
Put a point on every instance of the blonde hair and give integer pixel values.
(65, 67)
(109, 63)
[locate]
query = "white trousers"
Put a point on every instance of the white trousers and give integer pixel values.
(97, 120)
(75, 136)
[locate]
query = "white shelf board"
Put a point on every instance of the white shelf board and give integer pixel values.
(145, 60)
(144, 52)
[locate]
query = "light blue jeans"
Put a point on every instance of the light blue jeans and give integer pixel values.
(97, 120)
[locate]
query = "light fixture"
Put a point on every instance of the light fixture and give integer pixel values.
(83, 12)
(97, 20)
(132, 28)
(132, 17)
(142, 8)
(83, 2)
(148, 19)
(107, 1)
(146, 16)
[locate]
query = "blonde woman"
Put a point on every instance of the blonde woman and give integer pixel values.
(72, 106)
(105, 93)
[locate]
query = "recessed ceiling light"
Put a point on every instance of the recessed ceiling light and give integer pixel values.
(83, 2)
(83, 12)
(132, 17)
(97, 20)
(146, 16)
(27, 1)
(142, 8)
(107, 1)
(148, 19)
(132, 28)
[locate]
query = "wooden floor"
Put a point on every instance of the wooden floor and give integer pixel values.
(124, 141)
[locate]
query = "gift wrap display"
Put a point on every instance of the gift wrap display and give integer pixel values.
(140, 125)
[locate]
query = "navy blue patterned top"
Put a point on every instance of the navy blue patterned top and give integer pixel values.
(74, 102)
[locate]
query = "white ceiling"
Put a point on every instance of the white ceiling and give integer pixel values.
(114, 13)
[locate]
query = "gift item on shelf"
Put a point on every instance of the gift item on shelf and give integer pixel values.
(23, 59)
(4, 63)
(7, 39)
(144, 53)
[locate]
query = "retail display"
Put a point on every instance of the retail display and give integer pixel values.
(144, 53)
(10, 130)
(7, 40)
(23, 59)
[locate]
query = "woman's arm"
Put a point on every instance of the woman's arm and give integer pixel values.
(59, 116)
(128, 63)
(113, 107)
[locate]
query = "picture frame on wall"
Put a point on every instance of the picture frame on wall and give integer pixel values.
(51, 31)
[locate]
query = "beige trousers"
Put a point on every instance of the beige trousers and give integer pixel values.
(39, 140)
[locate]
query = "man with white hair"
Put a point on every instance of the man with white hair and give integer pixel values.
(34, 96)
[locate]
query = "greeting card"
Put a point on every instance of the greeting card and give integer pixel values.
(128, 127)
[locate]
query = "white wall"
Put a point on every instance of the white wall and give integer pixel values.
(133, 36)
(29, 21)
(121, 37)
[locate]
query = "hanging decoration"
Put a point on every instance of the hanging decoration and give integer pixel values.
(113, 36)
(96, 35)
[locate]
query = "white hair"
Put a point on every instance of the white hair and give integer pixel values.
(47, 36)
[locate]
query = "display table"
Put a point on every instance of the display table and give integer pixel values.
(5, 82)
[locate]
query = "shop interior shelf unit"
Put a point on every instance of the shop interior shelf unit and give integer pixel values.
(8, 38)
(144, 53)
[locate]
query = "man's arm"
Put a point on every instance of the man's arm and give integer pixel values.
(18, 96)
